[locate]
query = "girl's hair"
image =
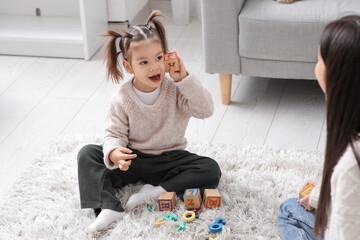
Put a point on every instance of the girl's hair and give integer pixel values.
(153, 29)
(340, 50)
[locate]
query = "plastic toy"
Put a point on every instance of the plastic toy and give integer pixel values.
(197, 211)
(217, 226)
(169, 217)
(192, 198)
(188, 216)
(158, 222)
(305, 191)
(148, 207)
(166, 201)
(182, 226)
(171, 59)
(210, 238)
(212, 198)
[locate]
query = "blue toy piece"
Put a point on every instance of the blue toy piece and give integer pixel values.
(214, 228)
(220, 221)
(217, 226)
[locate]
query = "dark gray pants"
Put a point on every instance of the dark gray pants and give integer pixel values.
(175, 171)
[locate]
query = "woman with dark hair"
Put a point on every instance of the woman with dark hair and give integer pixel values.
(337, 198)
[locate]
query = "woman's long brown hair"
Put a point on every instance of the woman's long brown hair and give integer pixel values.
(153, 29)
(340, 50)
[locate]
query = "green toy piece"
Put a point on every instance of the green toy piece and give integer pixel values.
(148, 207)
(182, 226)
(169, 217)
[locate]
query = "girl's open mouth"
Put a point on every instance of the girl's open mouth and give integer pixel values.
(155, 78)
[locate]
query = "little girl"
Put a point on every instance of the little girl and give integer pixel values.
(144, 139)
(337, 199)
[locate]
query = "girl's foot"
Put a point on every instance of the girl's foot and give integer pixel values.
(105, 218)
(147, 191)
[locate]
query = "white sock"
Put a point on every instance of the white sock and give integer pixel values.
(147, 191)
(105, 218)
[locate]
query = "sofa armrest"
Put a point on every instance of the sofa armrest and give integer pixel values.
(220, 26)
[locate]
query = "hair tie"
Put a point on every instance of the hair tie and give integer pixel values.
(117, 43)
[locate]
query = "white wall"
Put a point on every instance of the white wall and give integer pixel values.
(47, 7)
(123, 10)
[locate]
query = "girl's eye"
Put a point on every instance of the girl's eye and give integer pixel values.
(159, 58)
(143, 62)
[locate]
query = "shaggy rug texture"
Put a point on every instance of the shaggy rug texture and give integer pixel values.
(44, 203)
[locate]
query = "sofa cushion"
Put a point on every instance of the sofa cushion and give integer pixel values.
(288, 32)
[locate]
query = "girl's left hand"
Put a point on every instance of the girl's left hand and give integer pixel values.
(178, 76)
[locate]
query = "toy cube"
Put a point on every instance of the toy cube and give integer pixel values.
(171, 59)
(212, 198)
(166, 201)
(305, 191)
(192, 198)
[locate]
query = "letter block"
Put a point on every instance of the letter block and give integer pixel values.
(305, 191)
(166, 201)
(212, 198)
(192, 198)
(171, 59)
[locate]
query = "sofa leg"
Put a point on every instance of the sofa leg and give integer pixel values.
(225, 88)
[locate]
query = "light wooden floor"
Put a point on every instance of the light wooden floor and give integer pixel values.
(42, 98)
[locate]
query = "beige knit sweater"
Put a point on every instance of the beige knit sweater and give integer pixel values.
(156, 128)
(344, 217)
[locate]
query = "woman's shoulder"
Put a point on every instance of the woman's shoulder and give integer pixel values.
(348, 161)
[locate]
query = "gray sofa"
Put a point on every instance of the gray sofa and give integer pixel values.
(265, 38)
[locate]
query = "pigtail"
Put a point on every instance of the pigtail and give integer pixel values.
(111, 57)
(159, 27)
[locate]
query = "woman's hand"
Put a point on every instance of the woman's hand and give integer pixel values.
(121, 157)
(305, 200)
(178, 76)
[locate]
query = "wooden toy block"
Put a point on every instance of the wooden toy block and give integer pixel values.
(171, 59)
(212, 198)
(192, 198)
(166, 201)
(305, 191)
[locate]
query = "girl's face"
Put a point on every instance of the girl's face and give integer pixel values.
(146, 64)
(320, 72)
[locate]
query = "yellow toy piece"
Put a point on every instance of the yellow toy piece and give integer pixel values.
(158, 222)
(210, 238)
(188, 216)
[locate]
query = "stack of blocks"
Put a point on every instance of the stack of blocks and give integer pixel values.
(192, 199)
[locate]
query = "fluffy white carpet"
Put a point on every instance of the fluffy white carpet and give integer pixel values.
(44, 203)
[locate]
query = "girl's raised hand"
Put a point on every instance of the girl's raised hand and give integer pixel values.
(178, 76)
(121, 157)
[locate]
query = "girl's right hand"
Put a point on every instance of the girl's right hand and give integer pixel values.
(305, 200)
(121, 157)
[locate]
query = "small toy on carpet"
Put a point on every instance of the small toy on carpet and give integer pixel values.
(212, 198)
(166, 201)
(217, 226)
(192, 198)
